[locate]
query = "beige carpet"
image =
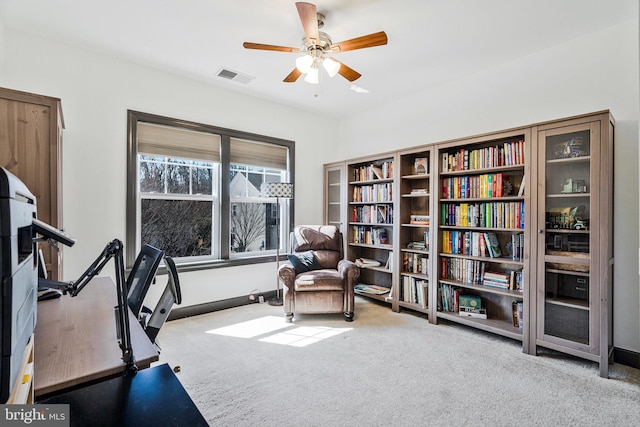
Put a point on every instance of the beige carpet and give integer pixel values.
(246, 367)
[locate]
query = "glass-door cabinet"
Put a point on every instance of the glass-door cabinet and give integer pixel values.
(574, 243)
(334, 195)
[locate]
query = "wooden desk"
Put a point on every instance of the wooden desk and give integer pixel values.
(75, 339)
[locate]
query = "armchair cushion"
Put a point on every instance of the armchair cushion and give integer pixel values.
(304, 261)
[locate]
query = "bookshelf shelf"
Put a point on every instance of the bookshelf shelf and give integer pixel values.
(379, 269)
(416, 275)
(478, 171)
(497, 327)
(480, 199)
(482, 288)
(500, 260)
(550, 283)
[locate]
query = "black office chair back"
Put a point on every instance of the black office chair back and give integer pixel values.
(141, 275)
(171, 295)
(174, 281)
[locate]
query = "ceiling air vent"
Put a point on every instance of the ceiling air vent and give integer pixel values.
(234, 76)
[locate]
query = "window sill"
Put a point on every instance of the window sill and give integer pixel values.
(221, 263)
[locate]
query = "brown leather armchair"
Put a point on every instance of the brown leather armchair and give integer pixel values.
(317, 279)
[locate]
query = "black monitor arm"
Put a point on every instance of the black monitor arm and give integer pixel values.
(113, 249)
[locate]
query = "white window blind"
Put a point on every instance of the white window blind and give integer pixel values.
(172, 141)
(253, 153)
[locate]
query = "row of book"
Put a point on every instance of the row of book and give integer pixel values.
(507, 154)
(462, 270)
(488, 185)
(369, 235)
(475, 272)
(517, 312)
(449, 298)
(373, 193)
(415, 263)
(414, 291)
(482, 244)
(473, 243)
(372, 214)
(455, 300)
(372, 172)
(485, 214)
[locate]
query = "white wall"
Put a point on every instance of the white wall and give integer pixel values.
(96, 91)
(583, 75)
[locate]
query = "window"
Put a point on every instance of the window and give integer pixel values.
(194, 192)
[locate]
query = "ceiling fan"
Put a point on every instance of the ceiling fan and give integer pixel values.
(317, 45)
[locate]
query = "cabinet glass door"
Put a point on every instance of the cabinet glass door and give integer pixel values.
(568, 243)
(334, 196)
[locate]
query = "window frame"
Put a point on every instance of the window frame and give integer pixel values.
(224, 202)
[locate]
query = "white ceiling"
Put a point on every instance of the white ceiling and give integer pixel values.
(430, 41)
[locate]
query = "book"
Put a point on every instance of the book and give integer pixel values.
(521, 190)
(371, 289)
(478, 313)
(493, 246)
(421, 165)
(366, 262)
(469, 301)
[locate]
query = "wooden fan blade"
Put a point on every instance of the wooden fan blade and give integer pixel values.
(260, 46)
(371, 40)
(293, 76)
(348, 72)
(309, 19)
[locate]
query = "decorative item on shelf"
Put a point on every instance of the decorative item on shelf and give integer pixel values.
(570, 148)
(507, 188)
(571, 185)
(279, 190)
(565, 217)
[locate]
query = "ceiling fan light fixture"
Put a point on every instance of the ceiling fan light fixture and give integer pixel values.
(331, 66)
(304, 63)
(312, 76)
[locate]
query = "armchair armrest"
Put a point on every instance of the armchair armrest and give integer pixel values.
(287, 274)
(349, 270)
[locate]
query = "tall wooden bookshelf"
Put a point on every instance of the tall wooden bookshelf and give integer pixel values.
(371, 219)
(415, 260)
(482, 227)
(540, 193)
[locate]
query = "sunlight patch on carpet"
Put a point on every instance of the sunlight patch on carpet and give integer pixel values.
(272, 327)
(304, 335)
(252, 328)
